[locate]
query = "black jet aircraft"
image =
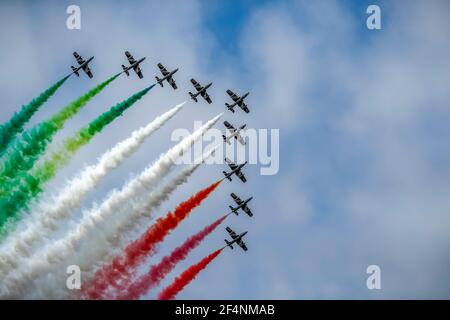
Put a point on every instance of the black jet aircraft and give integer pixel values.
(235, 169)
(238, 101)
(166, 76)
(236, 239)
(133, 65)
(200, 91)
(234, 133)
(82, 65)
(242, 204)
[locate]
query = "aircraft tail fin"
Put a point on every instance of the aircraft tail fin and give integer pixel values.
(229, 107)
(234, 210)
(193, 97)
(75, 71)
(226, 175)
(125, 70)
(225, 140)
(159, 81)
(229, 243)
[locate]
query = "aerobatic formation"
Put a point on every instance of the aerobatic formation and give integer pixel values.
(35, 254)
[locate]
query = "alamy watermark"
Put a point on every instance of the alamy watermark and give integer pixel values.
(262, 147)
(373, 21)
(374, 279)
(73, 21)
(73, 281)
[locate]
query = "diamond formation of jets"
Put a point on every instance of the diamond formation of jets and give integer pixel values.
(235, 169)
(236, 239)
(200, 91)
(235, 133)
(166, 76)
(237, 101)
(82, 65)
(133, 65)
(241, 204)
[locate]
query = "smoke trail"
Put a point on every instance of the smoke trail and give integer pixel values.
(15, 125)
(133, 255)
(144, 208)
(186, 277)
(48, 169)
(116, 233)
(50, 211)
(22, 155)
(56, 252)
(121, 229)
(157, 272)
(27, 186)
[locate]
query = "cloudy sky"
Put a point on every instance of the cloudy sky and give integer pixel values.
(363, 115)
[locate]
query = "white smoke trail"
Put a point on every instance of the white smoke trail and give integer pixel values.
(116, 233)
(147, 204)
(17, 282)
(49, 212)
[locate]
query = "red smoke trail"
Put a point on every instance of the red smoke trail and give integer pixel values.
(119, 271)
(167, 264)
(186, 277)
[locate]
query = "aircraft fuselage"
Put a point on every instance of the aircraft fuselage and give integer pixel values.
(234, 134)
(168, 75)
(228, 175)
(84, 64)
(242, 205)
(240, 100)
(203, 89)
(131, 66)
(239, 238)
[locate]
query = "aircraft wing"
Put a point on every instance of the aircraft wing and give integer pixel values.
(236, 199)
(78, 58)
(88, 71)
(231, 232)
(244, 107)
(138, 71)
(197, 85)
(163, 70)
(240, 139)
(233, 95)
(241, 176)
(206, 97)
(247, 210)
(241, 244)
(229, 125)
(130, 58)
(172, 82)
(231, 164)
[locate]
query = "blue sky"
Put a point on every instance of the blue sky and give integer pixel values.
(363, 118)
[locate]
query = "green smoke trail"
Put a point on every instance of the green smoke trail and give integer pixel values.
(15, 125)
(23, 154)
(28, 185)
(46, 171)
